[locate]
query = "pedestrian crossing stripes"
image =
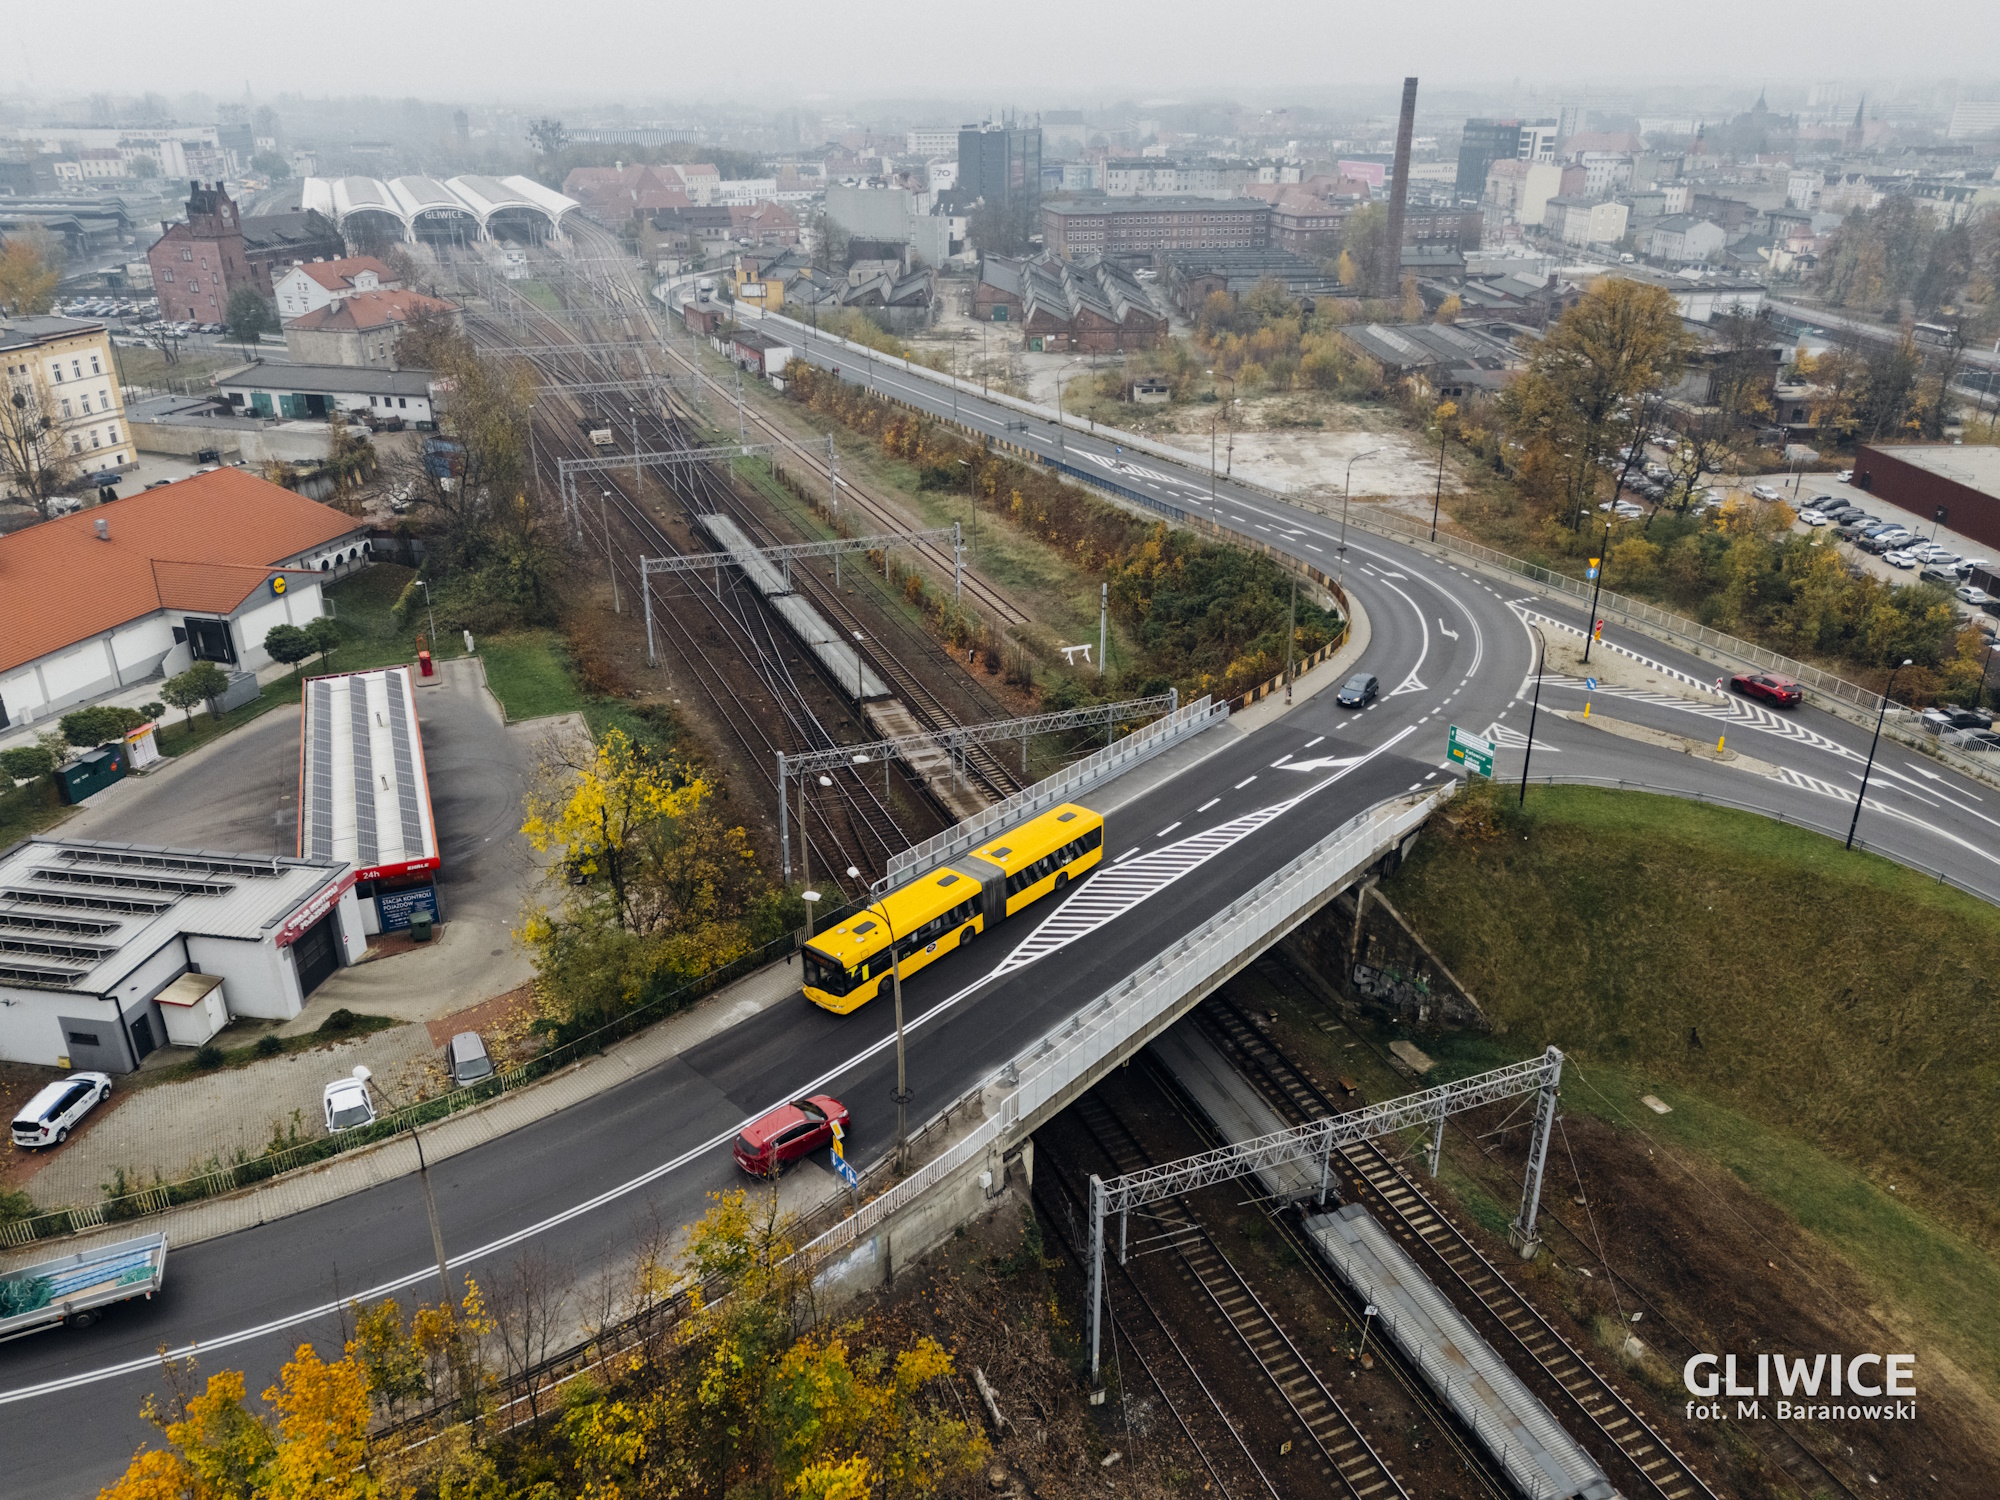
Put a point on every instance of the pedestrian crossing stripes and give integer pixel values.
(1115, 890)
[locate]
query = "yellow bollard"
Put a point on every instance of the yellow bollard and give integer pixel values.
(1718, 744)
(1586, 708)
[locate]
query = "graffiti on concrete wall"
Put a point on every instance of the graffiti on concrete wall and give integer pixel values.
(1389, 986)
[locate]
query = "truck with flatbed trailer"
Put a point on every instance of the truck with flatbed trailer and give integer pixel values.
(74, 1289)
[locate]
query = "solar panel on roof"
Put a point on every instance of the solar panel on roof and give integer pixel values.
(319, 775)
(406, 766)
(366, 846)
(193, 864)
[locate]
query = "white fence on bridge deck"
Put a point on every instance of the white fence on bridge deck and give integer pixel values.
(1071, 781)
(1043, 1077)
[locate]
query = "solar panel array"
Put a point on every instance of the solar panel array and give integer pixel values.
(319, 774)
(191, 863)
(366, 846)
(406, 765)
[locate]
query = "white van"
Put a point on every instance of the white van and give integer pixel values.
(53, 1113)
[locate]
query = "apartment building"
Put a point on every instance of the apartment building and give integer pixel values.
(65, 363)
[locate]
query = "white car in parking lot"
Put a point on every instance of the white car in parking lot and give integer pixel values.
(1973, 595)
(1763, 492)
(1899, 559)
(49, 1117)
(347, 1105)
(1812, 517)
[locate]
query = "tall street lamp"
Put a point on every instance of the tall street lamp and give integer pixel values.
(1541, 657)
(971, 503)
(1437, 500)
(366, 1079)
(1979, 698)
(1862, 795)
(860, 691)
(1345, 486)
(610, 565)
(1060, 444)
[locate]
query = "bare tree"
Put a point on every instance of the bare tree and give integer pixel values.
(529, 1306)
(38, 464)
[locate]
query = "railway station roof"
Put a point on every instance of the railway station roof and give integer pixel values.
(407, 199)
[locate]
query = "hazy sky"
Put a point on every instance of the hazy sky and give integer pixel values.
(1033, 52)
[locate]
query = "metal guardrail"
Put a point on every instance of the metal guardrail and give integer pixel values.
(1123, 491)
(1071, 781)
(1040, 1073)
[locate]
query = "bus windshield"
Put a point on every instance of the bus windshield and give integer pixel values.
(822, 973)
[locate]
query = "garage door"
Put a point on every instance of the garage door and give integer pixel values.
(314, 955)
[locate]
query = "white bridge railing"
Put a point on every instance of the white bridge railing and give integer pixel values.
(1071, 781)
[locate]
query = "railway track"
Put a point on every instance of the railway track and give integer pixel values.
(618, 292)
(1380, 1183)
(1811, 1473)
(1359, 1471)
(668, 430)
(872, 832)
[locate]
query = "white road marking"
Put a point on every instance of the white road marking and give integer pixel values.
(1167, 830)
(1125, 856)
(1244, 782)
(1208, 804)
(1279, 761)
(1314, 740)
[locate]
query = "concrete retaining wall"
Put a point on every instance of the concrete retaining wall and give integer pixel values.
(1374, 963)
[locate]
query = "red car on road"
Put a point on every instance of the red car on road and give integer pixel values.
(1772, 688)
(772, 1142)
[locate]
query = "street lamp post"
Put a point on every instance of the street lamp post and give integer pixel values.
(1862, 795)
(1345, 485)
(1060, 444)
(971, 503)
(366, 1080)
(1437, 500)
(1528, 750)
(610, 565)
(860, 694)
(1979, 698)
(429, 612)
(1291, 634)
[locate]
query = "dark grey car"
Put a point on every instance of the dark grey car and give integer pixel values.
(1358, 690)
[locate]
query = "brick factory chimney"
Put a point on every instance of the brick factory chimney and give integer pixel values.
(1392, 270)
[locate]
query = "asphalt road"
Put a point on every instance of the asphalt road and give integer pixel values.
(1448, 646)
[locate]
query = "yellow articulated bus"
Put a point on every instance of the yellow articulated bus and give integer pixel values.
(947, 907)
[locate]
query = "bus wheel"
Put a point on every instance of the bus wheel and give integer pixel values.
(967, 936)
(1062, 879)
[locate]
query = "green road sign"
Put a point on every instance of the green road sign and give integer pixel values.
(1470, 751)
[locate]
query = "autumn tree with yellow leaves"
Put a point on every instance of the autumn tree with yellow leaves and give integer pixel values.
(649, 885)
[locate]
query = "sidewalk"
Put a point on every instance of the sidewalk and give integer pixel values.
(385, 1161)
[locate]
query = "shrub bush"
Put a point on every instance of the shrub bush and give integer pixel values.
(27, 762)
(208, 1056)
(269, 1046)
(338, 1021)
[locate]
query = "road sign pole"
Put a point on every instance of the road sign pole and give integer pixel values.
(1597, 567)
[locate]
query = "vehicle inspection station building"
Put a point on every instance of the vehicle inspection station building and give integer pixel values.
(108, 951)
